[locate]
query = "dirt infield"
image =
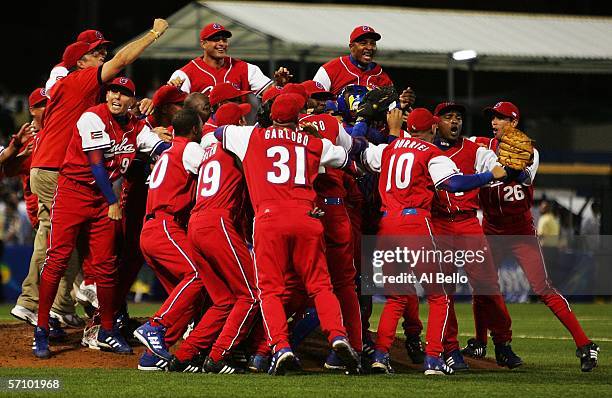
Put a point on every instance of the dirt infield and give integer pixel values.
(16, 340)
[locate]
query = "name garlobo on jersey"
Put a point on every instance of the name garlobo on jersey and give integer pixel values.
(410, 144)
(287, 134)
(119, 148)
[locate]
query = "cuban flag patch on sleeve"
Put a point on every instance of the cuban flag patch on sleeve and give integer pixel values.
(97, 135)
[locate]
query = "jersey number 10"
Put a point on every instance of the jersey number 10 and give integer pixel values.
(400, 172)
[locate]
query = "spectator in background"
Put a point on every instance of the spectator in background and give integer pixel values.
(548, 231)
(591, 225)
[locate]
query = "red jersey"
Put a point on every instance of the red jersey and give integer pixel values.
(199, 76)
(341, 72)
(98, 129)
(281, 164)
(329, 184)
(470, 158)
(409, 170)
(499, 199)
(70, 97)
(173, 179)
(221, 184)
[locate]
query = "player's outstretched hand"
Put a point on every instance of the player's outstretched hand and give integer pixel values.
(160, 26)
(282, 76)
(114, 211)
(499, 172)
(163, 134)
(145, 106)
(395, 118)
(176, 82)
(407, 98)
(23, 135)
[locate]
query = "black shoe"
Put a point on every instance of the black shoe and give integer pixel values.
(414, 348)
(475, 349)
(506, 357)
(220, 367)
(193, 365)
(588, 356)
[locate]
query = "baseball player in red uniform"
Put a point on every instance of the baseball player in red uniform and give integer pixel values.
(164, 241)
(215, 66)
(330, 191)
(359, 67)
(280, 165)
(104, 143)
(221, 94)
(229, 275)
(167, 100)
(410, 169)
(507, 211)
(96, 42)
(454, 215)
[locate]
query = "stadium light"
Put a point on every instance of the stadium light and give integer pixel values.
(465, 55)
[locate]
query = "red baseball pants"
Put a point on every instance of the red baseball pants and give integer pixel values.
(79, 208)
(287, 239)
(487, 301)
(528, 253)
(229, 278)
(439, 302)
(339, 256)
(169, 253)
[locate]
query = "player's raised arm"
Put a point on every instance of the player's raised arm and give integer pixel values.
(132, 51)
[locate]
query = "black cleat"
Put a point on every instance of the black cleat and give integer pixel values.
(220, 367)
(475, 349)
(193, 365)
(506, 357)
(588, 356)
(414, 348)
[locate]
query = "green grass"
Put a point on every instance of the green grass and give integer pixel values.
(550, 369)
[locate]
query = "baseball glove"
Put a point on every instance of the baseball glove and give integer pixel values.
(376, 103)
(515, 149)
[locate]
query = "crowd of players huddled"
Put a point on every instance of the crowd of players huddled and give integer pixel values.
(252, 218)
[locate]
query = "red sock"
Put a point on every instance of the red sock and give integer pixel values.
(107, 308)
(560, 307)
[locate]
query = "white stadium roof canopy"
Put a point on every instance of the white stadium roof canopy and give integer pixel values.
(416, 38)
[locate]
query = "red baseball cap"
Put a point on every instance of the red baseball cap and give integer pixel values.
(504, 109)
(224, 92)
(36, 97)
(420, 119)
(364, 30)
(213, 29)
(231, 113)
(271, 93)
(294, 88)
(124, 84)
(444, 107)
(93, 37)
(73, 53)
(287, 107)
(316, 90)
(168, 94)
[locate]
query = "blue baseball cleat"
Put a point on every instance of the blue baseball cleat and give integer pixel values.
(282, 361)
(55, 329)
(259, 363)
(333, 362)
(436, 366)
(506, 357)
(455, 361)
(381, 362)
(112, 340)
(153, 338)
(149, 362)
(40, 347)
(347, 354)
